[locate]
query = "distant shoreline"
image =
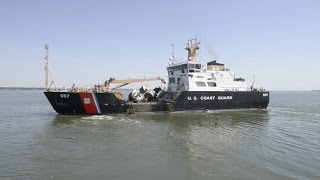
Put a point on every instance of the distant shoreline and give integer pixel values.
(21, 88)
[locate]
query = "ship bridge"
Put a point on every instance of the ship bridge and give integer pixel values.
(191, 75)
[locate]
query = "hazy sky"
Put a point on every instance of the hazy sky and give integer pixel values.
(278, 41)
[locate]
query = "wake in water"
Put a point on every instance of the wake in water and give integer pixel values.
(212, 111)
(116, 118)
(98, 117)
(292, 111)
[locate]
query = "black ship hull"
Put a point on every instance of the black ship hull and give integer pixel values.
(77, 103)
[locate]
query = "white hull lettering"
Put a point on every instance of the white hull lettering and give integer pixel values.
(224, 97)
(64, 96)
(208, 98)
(205, 98)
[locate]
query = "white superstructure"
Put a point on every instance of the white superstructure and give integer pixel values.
(191, 75)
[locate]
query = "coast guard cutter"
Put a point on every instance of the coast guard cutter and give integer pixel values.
(191, 86)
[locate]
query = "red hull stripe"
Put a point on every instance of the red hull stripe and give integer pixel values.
(89, 103)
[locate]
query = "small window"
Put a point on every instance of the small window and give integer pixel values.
(200, 84)
(212, 84)
(172, 80)
(198, 66)
(191, 66)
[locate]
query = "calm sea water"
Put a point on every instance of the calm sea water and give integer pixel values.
(282, 142)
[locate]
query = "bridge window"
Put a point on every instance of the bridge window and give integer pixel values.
(212, 84)
(170, 71)
(201, 84)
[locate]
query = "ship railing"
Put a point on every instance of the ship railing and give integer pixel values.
(261, 89)
(90, 89)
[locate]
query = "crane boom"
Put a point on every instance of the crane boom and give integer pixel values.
(125, 82)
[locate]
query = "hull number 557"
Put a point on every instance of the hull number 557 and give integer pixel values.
(64, 96)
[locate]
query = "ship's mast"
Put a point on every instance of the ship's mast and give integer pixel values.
(253, 83)
(46, 66)
(192, 47)
(172, 58)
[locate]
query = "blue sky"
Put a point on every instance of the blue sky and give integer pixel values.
(278, 41)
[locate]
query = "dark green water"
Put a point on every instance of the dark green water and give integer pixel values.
(282, 142)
